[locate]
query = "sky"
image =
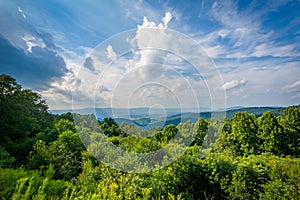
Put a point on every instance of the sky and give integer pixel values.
(153, 53)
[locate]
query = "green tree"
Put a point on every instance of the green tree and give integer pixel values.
(244, 134)
(65, 125)
(291, 123)
(111, 128)
(166, 134)
(6, 159)
(201, 132)
(218, 170)
(224, 143)
(64, 153)
(270, 134)
(239, 136)
(23, 115)
(8, 86)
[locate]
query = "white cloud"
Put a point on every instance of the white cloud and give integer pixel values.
(167, 19)
(261, 75)
(147, 74)
(269, 49)
(215, 4)
(147, 23)
(87, 50)
(32, 41)
(293, 88)
(152, 59)
(158, 60)
(110, 53)
(214, 51)
(238, 37)
(59, 95)
(136, 10)
(22, 13)
(234, 84)
(244, 33)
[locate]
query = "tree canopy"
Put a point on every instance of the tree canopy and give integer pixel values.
(43, 157)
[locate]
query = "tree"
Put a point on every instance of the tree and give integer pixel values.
(64, 153)
(110, 127)
(23, 115)
(8, 86)
(201, 132)
(291, 123)
(167, 133)
(224, 143)
(270, 134)
(65, 125)
(239, 136)
(244, 131)
(6, 160)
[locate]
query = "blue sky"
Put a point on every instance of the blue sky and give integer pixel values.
(253, 45)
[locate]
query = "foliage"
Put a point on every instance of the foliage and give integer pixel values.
(270, 134)
(23, 115)
(110, 127)
(201, 132)
(291, 122)
(43, 157)
(6, 159)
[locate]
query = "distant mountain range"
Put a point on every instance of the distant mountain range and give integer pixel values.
(147, 123)
(145, 118)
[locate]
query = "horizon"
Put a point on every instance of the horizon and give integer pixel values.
(185, 110)
(238, 106)
(121, 54)
(282, 106)
(146, 118)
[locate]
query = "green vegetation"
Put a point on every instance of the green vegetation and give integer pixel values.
(42, 156)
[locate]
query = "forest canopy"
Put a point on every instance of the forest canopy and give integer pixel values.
(43, 157)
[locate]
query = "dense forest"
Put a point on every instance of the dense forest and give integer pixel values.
(43, 157)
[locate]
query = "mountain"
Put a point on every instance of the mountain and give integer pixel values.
(257, 111)
(146, 118)
(147, 123)
(130, 113)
